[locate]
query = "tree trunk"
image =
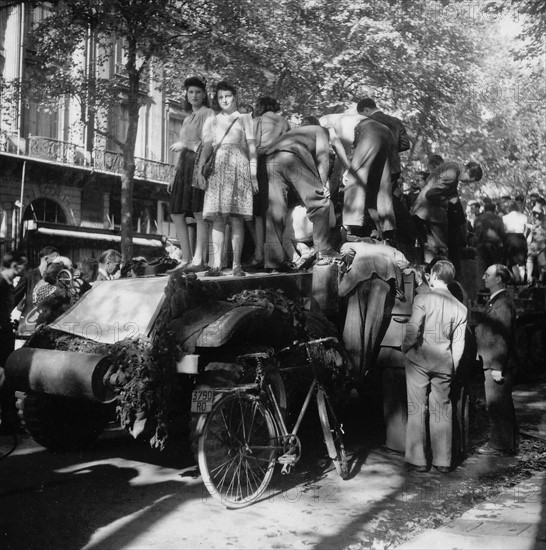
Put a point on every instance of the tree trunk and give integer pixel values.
(128, 173)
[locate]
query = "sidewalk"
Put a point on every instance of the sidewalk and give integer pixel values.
(515, 519)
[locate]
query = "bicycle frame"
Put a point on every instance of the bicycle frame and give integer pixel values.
(245, 434)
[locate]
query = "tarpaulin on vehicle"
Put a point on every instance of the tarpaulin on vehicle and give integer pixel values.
(115, 310)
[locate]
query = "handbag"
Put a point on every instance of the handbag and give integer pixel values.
(207, 168)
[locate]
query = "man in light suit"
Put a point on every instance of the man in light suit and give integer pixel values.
(495, 339)
(433, 346)
(372, 280)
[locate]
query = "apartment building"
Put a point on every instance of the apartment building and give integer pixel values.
(60, 186)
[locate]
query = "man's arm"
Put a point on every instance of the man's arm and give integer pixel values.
(414, 329)
(323, 154)
(338, 148)
(457, 346)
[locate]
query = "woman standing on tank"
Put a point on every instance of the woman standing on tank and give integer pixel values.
(229, 189)
(187, 200)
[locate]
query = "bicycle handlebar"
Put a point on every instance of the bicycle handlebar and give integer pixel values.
(298, 344)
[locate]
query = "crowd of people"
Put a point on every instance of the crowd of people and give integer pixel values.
(300, 192)
(331, 188)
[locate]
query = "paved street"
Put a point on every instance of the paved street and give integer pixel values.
(124, 495)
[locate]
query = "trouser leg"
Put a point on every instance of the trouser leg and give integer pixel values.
(352, 331)
(440, 419)
(417, 381)
(435, 244)
(500, 409)
(274, 254)
(309, 187)
(376, 320)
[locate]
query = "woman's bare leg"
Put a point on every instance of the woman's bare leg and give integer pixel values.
(237, 239)
(201, 239)
(218, 233)
(182, 235)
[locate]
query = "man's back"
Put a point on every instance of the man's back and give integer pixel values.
(301, 140)
(437, 321)
(489, 228)
(268, 128)
(515, 222)
(401, 139)
(344, 125)
(370, 137)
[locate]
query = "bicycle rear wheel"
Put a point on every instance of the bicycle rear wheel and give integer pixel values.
(332, 434)
(237, 450)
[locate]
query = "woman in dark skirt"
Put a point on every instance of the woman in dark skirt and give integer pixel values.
(187, 200)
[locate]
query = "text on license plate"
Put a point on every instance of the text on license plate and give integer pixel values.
(201, 401)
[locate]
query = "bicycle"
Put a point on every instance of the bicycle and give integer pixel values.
(245, 435)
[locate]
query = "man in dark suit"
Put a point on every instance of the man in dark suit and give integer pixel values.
(405, 235)
(27, 282)
(368, 108)
(13, 265)
(495, 339)
(367, 203)
(433, 202)
(433, 346)
(490, 235)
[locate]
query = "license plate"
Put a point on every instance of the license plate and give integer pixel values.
(201, 401)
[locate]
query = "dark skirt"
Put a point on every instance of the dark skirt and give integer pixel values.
(261, 198)
(515, 248)
(185, 199)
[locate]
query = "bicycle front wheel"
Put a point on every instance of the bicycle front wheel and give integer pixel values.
(237, 450)
(332, 434)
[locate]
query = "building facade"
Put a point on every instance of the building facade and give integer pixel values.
(62, 187)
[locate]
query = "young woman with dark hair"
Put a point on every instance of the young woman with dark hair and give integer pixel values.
(186, 199)
(229, 189)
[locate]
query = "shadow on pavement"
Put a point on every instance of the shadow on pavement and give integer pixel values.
(87, 500)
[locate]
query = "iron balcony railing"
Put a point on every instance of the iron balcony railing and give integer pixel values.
(71, 154)
(144, 168)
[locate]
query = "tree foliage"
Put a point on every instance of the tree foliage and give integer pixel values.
(462, 85)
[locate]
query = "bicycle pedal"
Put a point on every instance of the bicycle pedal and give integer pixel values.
(287, 459)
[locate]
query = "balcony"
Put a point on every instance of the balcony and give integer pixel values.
(55, 150)
(70, 154)
(146, 169)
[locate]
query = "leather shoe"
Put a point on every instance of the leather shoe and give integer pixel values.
(214, 272)
(442, 469)
(488, 450)
(415, 467)
(192, 268)
(254, 265)
(305, 262)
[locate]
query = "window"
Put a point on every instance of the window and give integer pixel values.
(118, 125)
(45, 210)
(118, 58)
(173, 135)
(42, 121)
